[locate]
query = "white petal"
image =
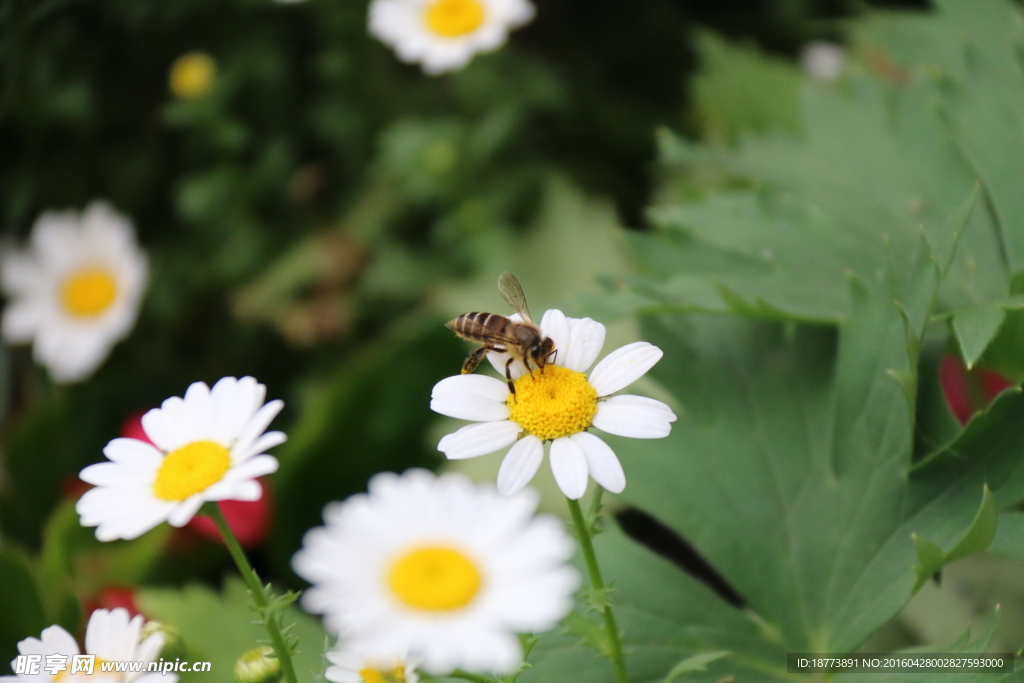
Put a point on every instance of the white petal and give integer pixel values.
(19, 273)
(479, 439)
(634, 416)
(58, 640)
(251, 468)
(141, 521)
(569, 466)
(237, 402)
(199, 411)
(498, 359)
(247, 490)
(602, 463)
(262, 445)
(133, 452)
(105, 474)
(185, 510)
(20, 321)
(624, 366)
(165, 426)
(477, 385)
(258, 423)
(520, 464)
(555, 325)
(469, 407)
(77, 358)
(471, 397)
(586, 338)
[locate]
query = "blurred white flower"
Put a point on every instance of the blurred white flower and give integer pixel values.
(823, 61)
(111, 636)
(76, 291)
(439, 567)
(351, 666)
(443, 35)
(558, 404)
(208, 446)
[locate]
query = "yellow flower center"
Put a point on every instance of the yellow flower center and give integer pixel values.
(396, 675)
(66, 675)
(552, 403)
(454, 18)
(191, 469)
(88, 293)
(192, 75)
(435, 579)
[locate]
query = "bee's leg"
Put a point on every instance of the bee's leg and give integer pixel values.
(471, 363)
(508, 376)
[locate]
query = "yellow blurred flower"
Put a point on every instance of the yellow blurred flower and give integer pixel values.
(192, 75)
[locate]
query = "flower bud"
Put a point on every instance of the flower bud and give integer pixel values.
(258, 665)
(173, 645)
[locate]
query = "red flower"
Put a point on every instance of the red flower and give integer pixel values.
(968, 391)
(113, 597)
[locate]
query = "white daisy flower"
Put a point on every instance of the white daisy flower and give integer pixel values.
(76, 291)
(208, 446)
(559, 404)
(111, 636)
(443, 35)
(352, 666)
(439, 567)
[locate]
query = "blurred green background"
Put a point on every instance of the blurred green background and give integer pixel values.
(314, 219)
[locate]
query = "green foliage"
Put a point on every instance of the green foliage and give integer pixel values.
(836, 254)
(1009, 540)
(315, 217)
(22, 602)
(693, 664)
(219, 628)
(977, 539)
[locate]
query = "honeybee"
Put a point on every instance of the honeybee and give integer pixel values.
(523, 341)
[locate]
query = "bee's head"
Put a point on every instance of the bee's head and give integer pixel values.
(540, 353)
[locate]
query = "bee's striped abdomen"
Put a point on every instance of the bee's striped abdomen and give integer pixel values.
(479, 326)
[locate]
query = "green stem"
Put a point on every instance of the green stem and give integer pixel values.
(595, 509)
(466, 676)
(255, 588)
(587, 546)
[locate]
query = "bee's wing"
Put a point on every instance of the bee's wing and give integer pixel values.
(512, 292)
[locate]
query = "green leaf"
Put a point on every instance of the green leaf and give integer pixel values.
(739, 90)
(931, 558)
(791, 469)
(221, 628)
(873, 167)
(695, 663)
(590, 633)
(23, 608)
(982, 532)
(975, 328)
(1009, 540)
(665, 616)
(814, 424)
